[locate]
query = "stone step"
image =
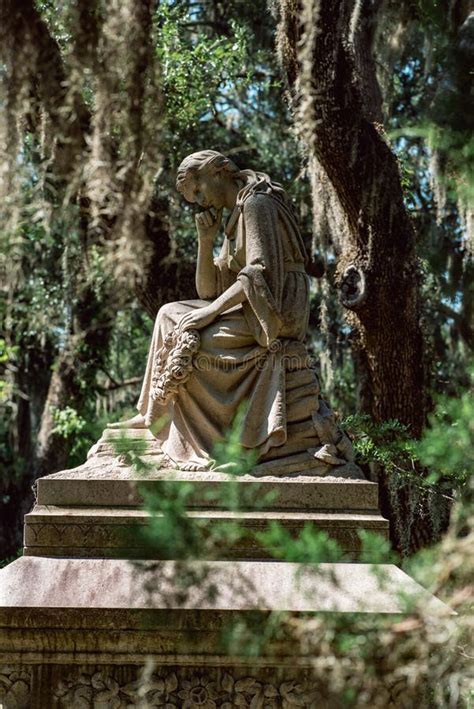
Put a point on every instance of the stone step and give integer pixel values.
(107, 632)
(109, 484)
(95, 586)
(122, 533)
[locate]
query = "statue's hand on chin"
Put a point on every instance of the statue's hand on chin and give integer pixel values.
(197, 319)
(208, 223)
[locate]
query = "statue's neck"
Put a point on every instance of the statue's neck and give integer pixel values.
(233, 190)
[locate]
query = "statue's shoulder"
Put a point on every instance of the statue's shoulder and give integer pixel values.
(259, 200)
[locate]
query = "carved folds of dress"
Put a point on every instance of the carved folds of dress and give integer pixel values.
(253, 355)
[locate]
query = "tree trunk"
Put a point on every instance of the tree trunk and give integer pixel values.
(164, 280)
(319, 45)
(31, 374)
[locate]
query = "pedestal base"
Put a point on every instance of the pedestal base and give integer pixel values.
(86, 622)
(96, 510)
(87, 630)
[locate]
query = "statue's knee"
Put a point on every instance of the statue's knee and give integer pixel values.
(165, 311)
(167, 315)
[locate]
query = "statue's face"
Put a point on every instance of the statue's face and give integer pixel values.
(207, 190)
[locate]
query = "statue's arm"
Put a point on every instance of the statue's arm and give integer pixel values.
(199, 318)
(207, 224)
(234, 295)
(206, 276)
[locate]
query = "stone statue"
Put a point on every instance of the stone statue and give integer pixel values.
(242, 343)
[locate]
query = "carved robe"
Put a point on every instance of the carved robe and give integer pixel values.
(252, 355)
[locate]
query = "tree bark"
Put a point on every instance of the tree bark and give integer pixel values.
(35, 64)
(320, 42)
(164, 280)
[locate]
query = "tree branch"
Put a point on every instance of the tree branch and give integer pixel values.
(465, 329)
(114, 385)
(25, 38)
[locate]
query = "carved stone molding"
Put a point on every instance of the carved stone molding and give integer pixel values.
(211, 688)
(78, 534)
(15, 687)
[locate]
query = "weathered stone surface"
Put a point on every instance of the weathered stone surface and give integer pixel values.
(104, 482)
(121, 533)
(94, 510)
(90, 632)
(108, 584)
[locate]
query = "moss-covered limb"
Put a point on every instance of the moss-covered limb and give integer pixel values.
(378, 273)
(36, 73)
(46, 101)
(321, 50)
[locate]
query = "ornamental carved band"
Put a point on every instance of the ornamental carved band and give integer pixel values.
(15, 687)
(208, 689)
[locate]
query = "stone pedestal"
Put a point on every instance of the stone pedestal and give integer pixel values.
(96, 510)
(89, 617)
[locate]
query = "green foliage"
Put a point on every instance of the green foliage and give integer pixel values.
(10, 559)
(81, 432)
(457, 182)
(67, 422)
(447, 447)
(195, 67)
(387, 443)
(375, 549)
(429, 117)
(8, 354)
(251, 635)
(171, 532)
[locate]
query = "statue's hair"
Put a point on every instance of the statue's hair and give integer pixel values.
(202, 162)
(210, 161)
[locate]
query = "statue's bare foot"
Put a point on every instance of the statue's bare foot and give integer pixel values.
(137, 421)
(192, 467)
(174, 465)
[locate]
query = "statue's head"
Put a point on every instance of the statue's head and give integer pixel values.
(204, 177)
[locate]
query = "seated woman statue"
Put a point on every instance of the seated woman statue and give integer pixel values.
(241, 346)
